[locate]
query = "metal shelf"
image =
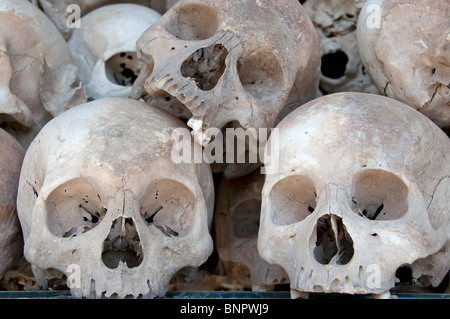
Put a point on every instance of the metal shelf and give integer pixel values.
(221, 295)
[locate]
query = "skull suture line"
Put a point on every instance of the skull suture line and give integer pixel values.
(239, 62)
(38, 79)
(104, 49)
(98, 189)
(362, 190)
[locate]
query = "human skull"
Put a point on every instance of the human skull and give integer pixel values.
(99, 193)
(19, 277)
(341, 68)
(215, 63)
(38, 79)
(407, 54)
(62, 11)
(104, 48)
(11, 242)
(236, 221)
(362, 189)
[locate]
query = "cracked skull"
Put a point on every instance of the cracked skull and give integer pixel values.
(99, 193)
(11, 243)
(104, 49)
(236, 222)
(39, 79)
(242, 62)
(362, 190)
(408, 54)
(341, 67)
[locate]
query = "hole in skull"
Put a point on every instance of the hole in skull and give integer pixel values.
(334, 64)
(261, 75)
(193, 22)
(205, 66)
(122, 245)
(166, 230)
(333, 244)
(123, 68)
(371, 213)
(245, 219)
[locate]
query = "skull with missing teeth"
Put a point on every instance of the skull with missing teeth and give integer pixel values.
(99, 193)
(362, 189)
(220, 62)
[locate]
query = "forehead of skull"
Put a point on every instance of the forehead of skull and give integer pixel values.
(116, 134)
(286, 18)
(116, 25)
(342, 131)
(429, 26)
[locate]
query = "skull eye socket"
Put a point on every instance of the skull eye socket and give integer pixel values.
(293, 199)
(169, 206)
(379, 195)
(74, 208)
(193, 22)
(245, 219)
(334, 65)
(123, 68)
(261, 75)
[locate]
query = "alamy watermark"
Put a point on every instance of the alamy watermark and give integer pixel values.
(74, 19)
(373, 20)
(239, 146)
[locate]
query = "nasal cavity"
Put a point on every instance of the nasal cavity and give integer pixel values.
(122, 245)
(333, 244)
(206, 66)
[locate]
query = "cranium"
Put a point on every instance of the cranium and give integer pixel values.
(11, 243)
(407, 53)
(38, 79)
(341, 68)
(217, 63)
(104, 49)
(236, 221)
(62, 11)
(100, 197)
(362, 189)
